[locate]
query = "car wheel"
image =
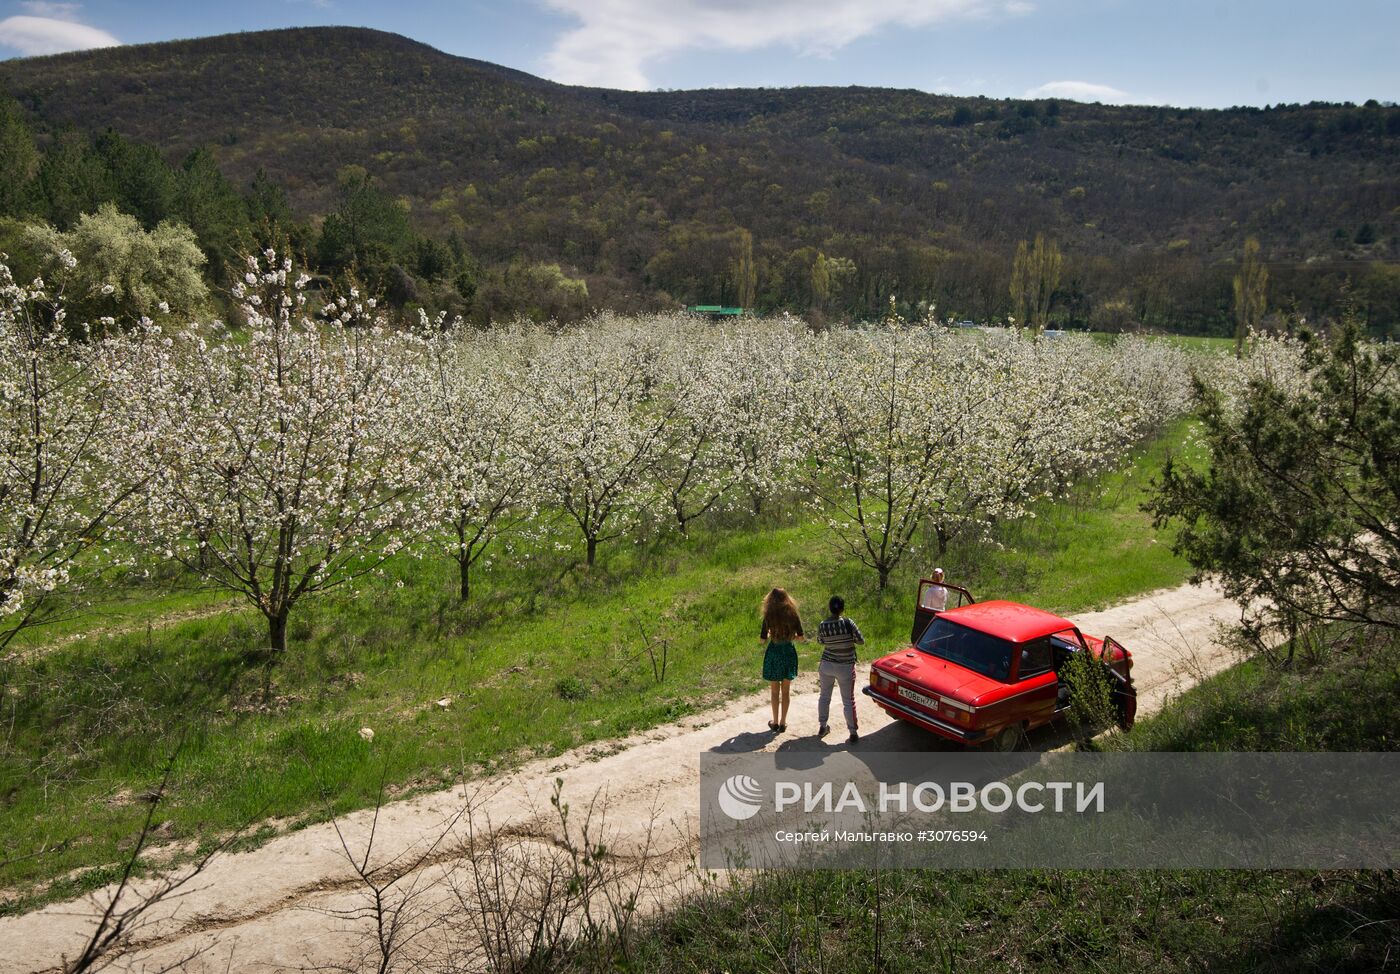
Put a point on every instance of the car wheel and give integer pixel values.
(1009, 738)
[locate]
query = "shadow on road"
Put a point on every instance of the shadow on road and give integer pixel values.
(747, 741)
(901, 736)
(798, 752)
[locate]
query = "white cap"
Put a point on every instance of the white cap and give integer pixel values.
(938, 571)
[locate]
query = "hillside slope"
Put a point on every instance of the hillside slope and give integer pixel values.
(648, 191)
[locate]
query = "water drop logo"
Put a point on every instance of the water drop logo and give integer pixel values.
(740, 797)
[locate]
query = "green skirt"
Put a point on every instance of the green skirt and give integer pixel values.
(780, 662)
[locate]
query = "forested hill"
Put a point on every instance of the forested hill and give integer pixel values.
(717, 195)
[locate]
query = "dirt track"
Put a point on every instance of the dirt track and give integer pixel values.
(293, 902)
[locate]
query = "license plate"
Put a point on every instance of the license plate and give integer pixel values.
(919, 698)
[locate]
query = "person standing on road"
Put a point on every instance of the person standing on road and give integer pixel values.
(839, 637)
(781, 626)
(935, 597)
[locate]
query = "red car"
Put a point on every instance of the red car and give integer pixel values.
(988, 672)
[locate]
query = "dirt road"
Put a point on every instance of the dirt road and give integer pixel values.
(296, 903)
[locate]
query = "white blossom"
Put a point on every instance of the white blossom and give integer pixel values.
(296, 455)
(278, 465)
(61, 486)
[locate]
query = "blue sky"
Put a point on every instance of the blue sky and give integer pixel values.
(1209, 53)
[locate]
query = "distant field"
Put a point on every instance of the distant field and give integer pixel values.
(546, 657)
(1190, 343)
(1199, 343)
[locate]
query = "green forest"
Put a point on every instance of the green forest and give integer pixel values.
(458, 186)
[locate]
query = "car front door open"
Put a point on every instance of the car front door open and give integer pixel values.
(935, 597)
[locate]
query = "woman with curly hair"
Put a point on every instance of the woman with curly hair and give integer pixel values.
(781, 626)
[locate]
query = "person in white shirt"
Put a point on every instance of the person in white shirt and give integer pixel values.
(935, 597)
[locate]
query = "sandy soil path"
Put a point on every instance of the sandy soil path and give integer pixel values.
(295, 902)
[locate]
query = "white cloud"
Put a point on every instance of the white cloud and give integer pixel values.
(1078, 91)
(46, 35)
(42, 8)
(617, 39)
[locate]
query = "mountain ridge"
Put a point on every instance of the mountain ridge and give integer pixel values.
(633, 189)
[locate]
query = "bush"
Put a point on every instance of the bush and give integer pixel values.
(1295, 509)
(123, 272)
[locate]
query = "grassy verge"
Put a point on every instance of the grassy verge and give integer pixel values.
(1033, 921)
(1345, 702)
(547, 657)
(1057, 920)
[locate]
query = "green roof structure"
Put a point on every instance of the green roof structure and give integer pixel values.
(713, 309)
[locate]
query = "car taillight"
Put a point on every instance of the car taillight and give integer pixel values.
(956, 710)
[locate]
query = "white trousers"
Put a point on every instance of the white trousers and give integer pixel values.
(845, 675)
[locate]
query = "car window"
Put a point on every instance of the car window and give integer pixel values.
(977, 651)
(1036, 659)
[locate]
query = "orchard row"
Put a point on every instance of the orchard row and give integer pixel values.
(301, 450)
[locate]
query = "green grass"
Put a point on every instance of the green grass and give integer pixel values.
(1187, 343)
(1346, 701)
(1193, 343)
(1028, 921)
(1200, 343)
(129, 601)
(1060, 920)
(548, 656)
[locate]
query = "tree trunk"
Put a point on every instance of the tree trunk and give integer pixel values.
(464, 569)
(277, 632)
(942, 540)
(592, 551)
(884, 571)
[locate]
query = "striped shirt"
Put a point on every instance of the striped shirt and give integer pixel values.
(839, 638)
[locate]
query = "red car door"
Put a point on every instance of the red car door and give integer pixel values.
(954, 597)
(1036, 685)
